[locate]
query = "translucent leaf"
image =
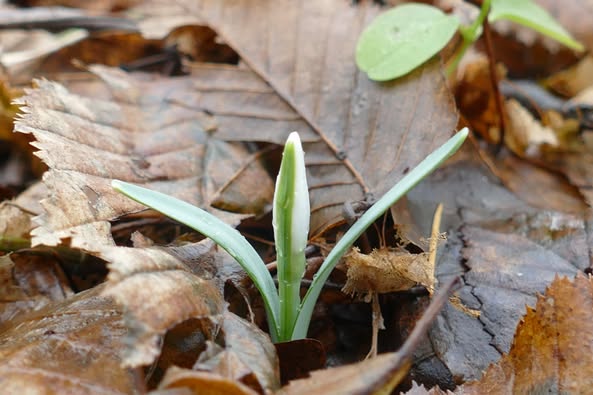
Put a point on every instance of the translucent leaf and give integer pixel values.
(532, 15)
(402, 39)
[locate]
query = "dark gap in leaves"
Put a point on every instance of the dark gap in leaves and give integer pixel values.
(181, 347)
(299, 357)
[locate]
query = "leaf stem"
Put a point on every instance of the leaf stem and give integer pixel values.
(499, 100)
(470, 34)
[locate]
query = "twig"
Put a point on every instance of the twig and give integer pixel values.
(494, 82)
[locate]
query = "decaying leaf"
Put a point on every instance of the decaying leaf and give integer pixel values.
(68, 347)
(157, 292)
(202, 383)
(135, 135)
(552, 349)
(386, 270)
(551, 143)
(421, 390)
(535, 185)
(24, 50)
(376, 375)
(506, 252)
(248, 356)
(523, 133)
(577, 166)
(16, 215)
(28, 283)
(573, 80)
(299, 357)
(181, 136)
(359, 136)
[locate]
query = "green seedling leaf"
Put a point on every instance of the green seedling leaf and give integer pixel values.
(527, 13)
(290, 217)
(427, 166)
(403, 38)
(288, 319)
(222, 234)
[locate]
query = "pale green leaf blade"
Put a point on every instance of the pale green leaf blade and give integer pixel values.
(222, 234)
(403, 38)
(427, 166)
(528, 13)
(290, 218)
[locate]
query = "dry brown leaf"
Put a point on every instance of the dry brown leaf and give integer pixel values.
(164, 17)
(552, 349)
(29, 282)
(24, 50)
(473, 93)
(248, 356)
(157, 291)
(109, 48)
(202, 383)
(524, 134)
(505, 250)
(359, 136)
(535, 185)
(136, 135)
(573, 80)
(377, 375)
(386, 270)
(421, 390)
(547, 146)
(95, 6)
(577, 165)
(68, 347)
(16, 215)
(510, 269)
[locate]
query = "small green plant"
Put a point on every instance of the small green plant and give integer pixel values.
(288, 315)
(401, 39)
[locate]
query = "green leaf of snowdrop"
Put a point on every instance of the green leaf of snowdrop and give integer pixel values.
(222, 234)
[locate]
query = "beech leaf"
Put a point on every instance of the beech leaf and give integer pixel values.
(68, 347)
(134, 134)
(551, 351)
(348, 124)
(158, 291)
